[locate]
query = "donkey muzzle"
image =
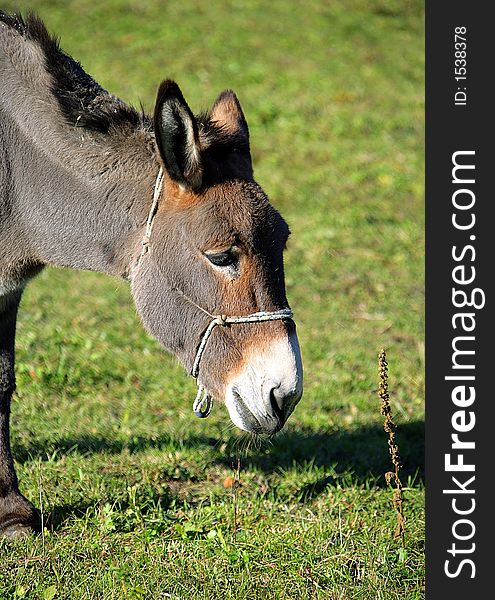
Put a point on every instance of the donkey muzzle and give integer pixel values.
(264, 393)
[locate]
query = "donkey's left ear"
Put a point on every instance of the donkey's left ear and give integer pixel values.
(177, 137)
(227, 113)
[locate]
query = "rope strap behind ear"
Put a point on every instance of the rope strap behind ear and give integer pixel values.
(145, 242)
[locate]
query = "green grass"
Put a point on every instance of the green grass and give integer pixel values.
(135, 490)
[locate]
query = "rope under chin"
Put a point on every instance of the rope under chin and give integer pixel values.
(203, 402)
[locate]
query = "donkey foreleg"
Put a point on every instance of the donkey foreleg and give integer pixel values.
(17, 515)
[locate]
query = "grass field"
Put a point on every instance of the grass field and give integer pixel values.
(136, 493)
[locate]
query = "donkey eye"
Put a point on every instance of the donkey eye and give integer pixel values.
(222, 259)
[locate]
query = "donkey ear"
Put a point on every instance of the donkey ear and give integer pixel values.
(177, 137)
(227, 113)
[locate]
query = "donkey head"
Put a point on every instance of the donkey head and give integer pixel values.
(216, 248)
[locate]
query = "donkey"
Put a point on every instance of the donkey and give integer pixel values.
(168, 204)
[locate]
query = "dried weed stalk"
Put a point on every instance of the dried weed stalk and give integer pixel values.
(392, 477)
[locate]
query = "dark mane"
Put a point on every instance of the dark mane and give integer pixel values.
(83, 102)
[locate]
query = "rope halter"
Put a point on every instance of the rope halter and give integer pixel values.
(204, 403)
(145, 241)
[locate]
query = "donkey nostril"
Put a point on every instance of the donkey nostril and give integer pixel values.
(276, 402)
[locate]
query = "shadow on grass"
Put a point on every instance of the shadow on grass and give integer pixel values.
(97, 444)
(356, 457)
(361, 453)
(63, 514)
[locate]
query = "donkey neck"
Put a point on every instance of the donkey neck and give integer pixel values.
(74, 197)
(83, 205)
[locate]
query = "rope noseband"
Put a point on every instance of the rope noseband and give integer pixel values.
(204, 403)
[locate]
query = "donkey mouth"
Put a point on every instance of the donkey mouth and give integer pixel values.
(247, 420)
